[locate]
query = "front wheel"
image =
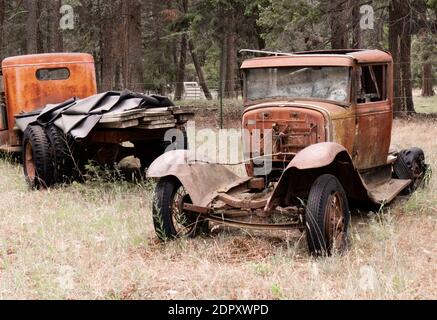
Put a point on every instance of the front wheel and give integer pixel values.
(327, 217)
(170, 219)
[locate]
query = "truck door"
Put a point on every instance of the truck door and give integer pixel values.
(374, 116)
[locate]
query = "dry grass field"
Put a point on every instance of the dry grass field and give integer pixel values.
(96, 241)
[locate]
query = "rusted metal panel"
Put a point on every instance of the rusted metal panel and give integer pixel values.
(386, 192)
(4, 137)
(299, 61)
(241, 203)
(311, 163)
(373, 137)
(343, 130)
(257, 184)
(321, 58)
(122, 135)
(372, 56)
(294, 128)
(316, 156)
(26, 91)
(202, 181)
(306, 123)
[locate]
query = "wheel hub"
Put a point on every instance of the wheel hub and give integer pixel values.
(30, 163)
(183, 222)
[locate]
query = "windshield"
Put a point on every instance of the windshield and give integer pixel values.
(325, 83)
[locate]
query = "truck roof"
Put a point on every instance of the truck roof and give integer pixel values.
(47, 59)
(346, 58)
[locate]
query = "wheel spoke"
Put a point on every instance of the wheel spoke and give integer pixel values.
(335, 223)
(182, 221)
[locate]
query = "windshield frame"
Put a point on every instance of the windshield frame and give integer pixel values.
(347, 103)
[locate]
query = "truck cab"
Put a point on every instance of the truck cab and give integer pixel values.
(30, 82)
(335, 96)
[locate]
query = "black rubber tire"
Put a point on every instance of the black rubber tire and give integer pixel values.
(62, 148)
(403, 168)
(42, 158)
(318, 240)
(162, 214)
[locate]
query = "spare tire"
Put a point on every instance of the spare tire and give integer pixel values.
(37, 158)
(62, 148)
(411, 165)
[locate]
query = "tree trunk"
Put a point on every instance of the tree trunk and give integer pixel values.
(338, 23)
(427, 79)
(132, 54)
(357, 41)
(180, 75)
(121, 48)
(32, 26)
(199, 71)
(400, 47)
(174, 51)
(56, 41)
(376, 36)
(231, 66)
(223, 66)
(2, 22)
(110, 45)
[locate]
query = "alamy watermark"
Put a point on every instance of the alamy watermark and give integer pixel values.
(67, 17)
(368, 279)
(225, 147)
(67, 21)
(367, 21)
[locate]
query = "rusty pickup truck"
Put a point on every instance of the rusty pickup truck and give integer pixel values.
(324, 123)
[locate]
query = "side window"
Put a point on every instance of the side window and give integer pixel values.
(52, 74)
(372, 83)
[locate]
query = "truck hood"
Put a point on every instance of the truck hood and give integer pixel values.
(330, 110)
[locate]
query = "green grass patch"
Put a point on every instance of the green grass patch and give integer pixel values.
(426, 104)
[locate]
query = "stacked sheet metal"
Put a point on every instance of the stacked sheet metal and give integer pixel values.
(114, 110)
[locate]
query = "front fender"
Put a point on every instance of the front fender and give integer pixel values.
(201, 180)
(309, 164)
(317, 156)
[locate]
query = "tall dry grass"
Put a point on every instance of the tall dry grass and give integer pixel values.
(96, 241)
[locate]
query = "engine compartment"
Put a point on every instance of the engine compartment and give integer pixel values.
(291, 130)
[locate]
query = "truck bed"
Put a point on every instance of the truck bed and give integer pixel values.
(147, 119)
(117, 115)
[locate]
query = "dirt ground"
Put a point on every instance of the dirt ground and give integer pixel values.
(96, 241)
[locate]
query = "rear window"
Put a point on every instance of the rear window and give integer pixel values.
(52, 74)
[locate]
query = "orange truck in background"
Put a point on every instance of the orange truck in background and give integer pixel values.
(33, 81)
(35, 86)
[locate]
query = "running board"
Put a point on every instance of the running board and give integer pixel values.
(387, 192)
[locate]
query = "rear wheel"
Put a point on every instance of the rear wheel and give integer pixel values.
(327, 217)
(170, 219)
(37, 158)
(62, 153)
